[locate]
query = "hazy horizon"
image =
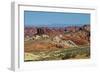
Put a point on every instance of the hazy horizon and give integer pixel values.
(54, 25)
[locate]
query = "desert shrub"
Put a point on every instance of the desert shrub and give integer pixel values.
(67, 56)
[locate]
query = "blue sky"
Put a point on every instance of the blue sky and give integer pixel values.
(61, 19)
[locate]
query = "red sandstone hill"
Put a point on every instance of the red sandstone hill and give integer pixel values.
(30, 31)
(53, 31)
(80, 35)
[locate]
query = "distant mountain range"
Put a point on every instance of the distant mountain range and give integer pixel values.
(54, 25)
(52, 31)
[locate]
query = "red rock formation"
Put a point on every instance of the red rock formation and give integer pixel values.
(78, 34)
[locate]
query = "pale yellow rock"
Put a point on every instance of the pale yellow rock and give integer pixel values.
(30, 56)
